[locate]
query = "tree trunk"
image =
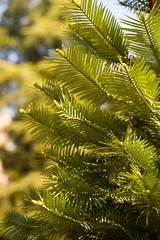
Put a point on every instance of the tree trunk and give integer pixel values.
(151, 3)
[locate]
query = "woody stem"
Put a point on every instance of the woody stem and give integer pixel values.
(151, 3)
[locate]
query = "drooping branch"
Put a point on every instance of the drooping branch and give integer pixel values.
(151, 3)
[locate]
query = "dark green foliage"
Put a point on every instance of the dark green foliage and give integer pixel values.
(101, 125)
(143, 5)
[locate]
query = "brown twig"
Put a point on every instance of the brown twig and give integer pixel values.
(151, 3)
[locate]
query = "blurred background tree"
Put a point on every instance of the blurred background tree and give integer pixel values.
(28, 29)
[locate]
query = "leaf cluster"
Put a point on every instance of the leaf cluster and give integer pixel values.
(100, 123)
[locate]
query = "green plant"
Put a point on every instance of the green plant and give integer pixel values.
(101, 124)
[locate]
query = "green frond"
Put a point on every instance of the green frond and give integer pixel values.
(80, 167)
(50, 89)
(91, 113)
(83, 194)
(144, 187)
(87, 166)
(83, 75)
(136, 85)
(66, 156)
(130, 149)
(141, 152)
(45, 206)
(61, 214)
(98, 28)
(41, 127)
(143, 35)
(71, 121)
(51, 128)
(72, 108)
(20, 227)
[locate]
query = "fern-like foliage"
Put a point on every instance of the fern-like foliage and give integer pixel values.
(98, 28)
(144, 37)
(100, 128)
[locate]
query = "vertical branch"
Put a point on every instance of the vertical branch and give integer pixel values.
(151, 3)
